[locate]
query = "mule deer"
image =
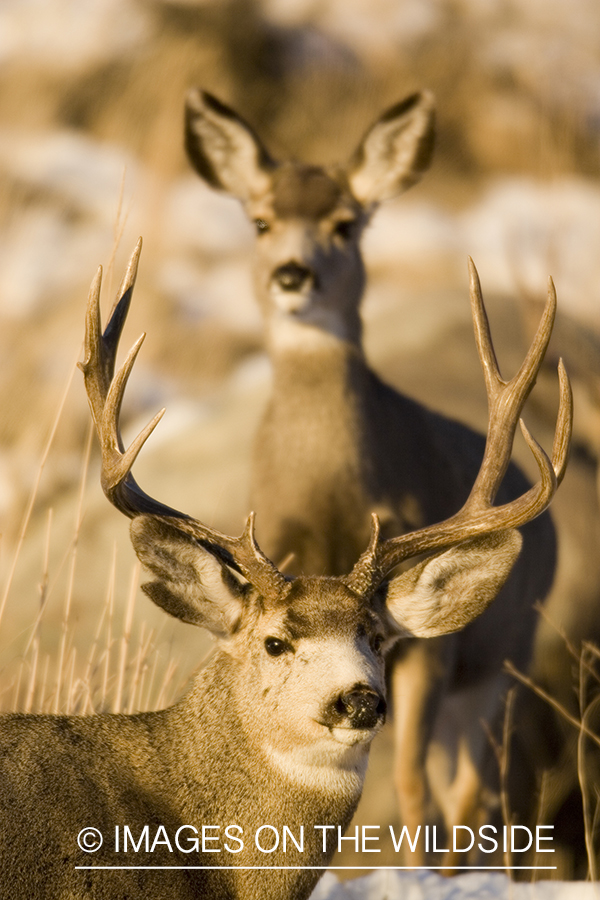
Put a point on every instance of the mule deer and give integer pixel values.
(275, 731)
(337, 443)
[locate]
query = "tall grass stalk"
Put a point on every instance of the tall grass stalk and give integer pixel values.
(126, 639)
(74, 543)
(36, 486)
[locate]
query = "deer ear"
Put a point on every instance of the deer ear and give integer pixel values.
(395, 151)
(447, 591)
(223, 149)
(191, 584)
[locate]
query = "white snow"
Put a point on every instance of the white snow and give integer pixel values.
(425, 885)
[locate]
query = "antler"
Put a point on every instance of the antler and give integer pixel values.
(505, 403)
(105, 393)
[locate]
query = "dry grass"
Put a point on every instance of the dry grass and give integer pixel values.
(584, 741)
(124, 668)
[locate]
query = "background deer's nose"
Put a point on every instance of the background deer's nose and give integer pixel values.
(363, 707)
(292, 276)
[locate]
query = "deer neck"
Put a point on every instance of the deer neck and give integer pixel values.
(315, 364)
(307, 476)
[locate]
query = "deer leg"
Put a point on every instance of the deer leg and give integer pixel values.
(417, 684)
(467, 800)
(465, 809)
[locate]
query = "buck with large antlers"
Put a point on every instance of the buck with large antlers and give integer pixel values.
(275, 731)
(336, 443)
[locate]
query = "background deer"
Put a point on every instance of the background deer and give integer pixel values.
(276, 729)
(337, 443)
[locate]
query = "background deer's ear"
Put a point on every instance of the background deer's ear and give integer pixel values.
(191, 584)
(445, 592)
(395, 151)
(223, 149)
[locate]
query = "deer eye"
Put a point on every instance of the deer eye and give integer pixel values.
(345, 229)
(276, 647)
(377, 643)
(261, 226)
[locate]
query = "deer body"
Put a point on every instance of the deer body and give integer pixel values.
(337, 443)
(329, 407)
(275, 732)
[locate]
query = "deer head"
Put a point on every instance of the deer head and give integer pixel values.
(309, 219)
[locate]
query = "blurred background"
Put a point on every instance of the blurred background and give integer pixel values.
(91, 156)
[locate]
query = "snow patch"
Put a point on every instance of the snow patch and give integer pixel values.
(425, 885)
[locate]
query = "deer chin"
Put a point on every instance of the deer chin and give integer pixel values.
(351, 737)
(334, 769)
(292, 303)
(307, 327)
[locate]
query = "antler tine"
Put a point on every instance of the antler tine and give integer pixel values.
(105, 392)
(116, 461)
(120, 309)
(93, 350)
(483, 337)
(505, 398)
(257, 561)
(478, 515)
(101, 349)
(564, 424)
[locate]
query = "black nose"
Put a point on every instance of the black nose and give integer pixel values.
(362, 707)
(292, 276)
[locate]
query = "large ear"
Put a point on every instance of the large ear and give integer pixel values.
(446, 592)
(224, 149)
(395, 151)
(192, 584)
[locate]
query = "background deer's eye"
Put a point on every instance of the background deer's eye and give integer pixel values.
(276, 647)
(261, 226)
(345, 229)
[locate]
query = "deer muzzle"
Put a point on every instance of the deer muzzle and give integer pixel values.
(293, 277)
(360, 708)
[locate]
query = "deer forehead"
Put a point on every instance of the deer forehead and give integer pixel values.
(310, 193)
(322, 608)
